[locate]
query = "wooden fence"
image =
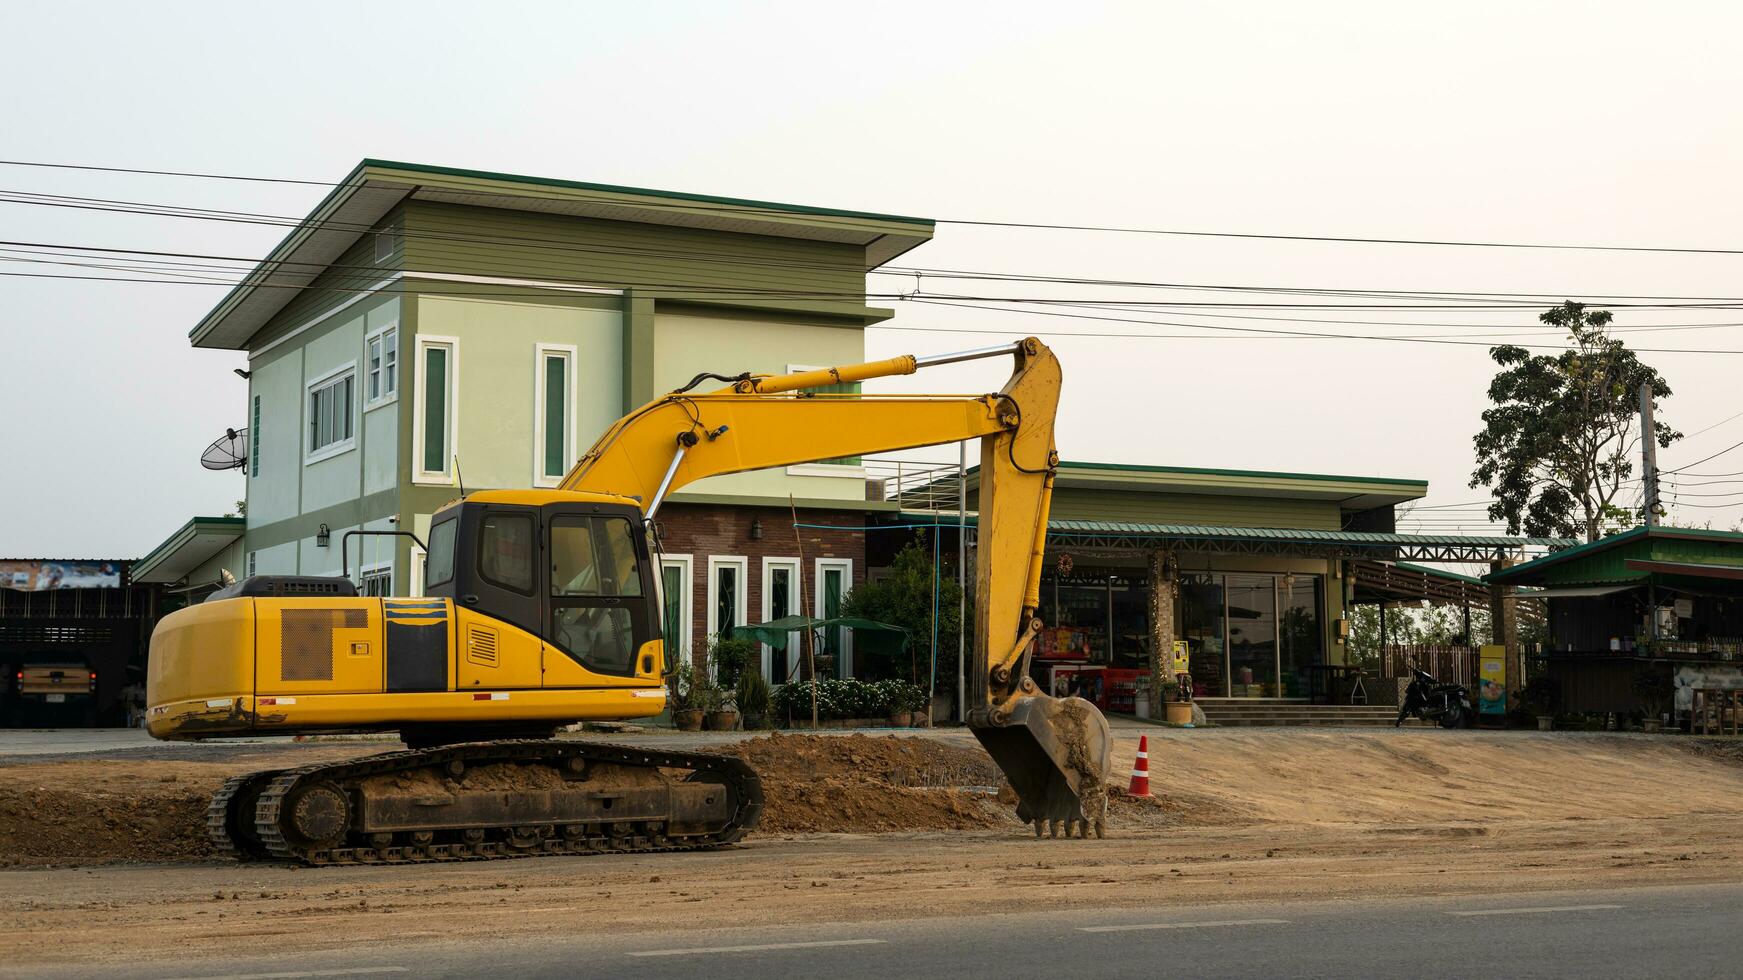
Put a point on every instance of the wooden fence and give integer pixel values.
(1449, 664)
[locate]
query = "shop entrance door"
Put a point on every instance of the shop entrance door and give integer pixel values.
(1252, 632)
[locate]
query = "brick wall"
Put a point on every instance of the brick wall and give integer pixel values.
(701, 530)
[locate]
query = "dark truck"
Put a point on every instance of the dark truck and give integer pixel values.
(53, 692)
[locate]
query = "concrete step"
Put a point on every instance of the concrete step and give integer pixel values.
(1310, 722)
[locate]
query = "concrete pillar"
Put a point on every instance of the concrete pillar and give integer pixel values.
(1164, 579)
(1504, 627)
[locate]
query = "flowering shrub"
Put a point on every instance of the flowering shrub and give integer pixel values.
(847, 698)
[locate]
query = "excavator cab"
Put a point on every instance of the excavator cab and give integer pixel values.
(571, 568)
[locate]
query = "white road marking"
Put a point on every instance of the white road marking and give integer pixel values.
(1185, 925)
(302, 973)
(758, 948)
(1537, 909)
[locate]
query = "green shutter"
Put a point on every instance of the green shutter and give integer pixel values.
(435, 410)
(556, 412)
(672, 594)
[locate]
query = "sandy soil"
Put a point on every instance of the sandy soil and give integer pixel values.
(1246, 815)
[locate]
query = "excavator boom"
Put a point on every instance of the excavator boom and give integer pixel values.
(1053, 751)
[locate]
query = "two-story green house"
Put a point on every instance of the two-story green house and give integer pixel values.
(425, 328)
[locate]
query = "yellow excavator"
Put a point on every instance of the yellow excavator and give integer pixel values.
(540, 610)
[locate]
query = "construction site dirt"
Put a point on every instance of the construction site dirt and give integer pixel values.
(106, 853)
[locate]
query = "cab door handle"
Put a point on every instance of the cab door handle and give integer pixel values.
(470, 600)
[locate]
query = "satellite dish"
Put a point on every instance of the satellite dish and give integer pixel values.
(227, 452)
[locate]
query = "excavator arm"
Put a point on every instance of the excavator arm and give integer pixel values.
(1053, 751)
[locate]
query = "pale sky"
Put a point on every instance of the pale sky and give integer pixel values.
(1579, 123)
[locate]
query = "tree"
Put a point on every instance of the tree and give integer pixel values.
(904, 598)
(1559, 444)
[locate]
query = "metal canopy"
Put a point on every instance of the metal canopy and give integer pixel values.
(1090, 537)
(1380, 582)
(1583, 592)
(1196, 538)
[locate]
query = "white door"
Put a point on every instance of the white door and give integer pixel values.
(781, 598)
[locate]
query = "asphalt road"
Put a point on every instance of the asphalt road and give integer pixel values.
(1685, 932)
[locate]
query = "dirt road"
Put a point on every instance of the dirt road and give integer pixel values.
(1254, 814)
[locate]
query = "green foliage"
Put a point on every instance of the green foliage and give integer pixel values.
(729, 656)
(1655, 687)
(1405, 626)
(1541, 695)
(1561, 438)
(847, 698)
(681, 692)
(904, 598)
(752, 693)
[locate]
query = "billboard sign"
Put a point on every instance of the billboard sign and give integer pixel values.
(41, 576)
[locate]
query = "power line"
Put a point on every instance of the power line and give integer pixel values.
(1200, 326)
(755, 207)
(1704, 459)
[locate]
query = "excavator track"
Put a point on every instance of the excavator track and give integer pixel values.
(490, 800)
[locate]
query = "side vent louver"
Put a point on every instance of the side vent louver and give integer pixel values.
(481, 646)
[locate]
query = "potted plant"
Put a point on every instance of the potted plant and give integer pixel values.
(752, 696)
(681, 698)
(720, 711)
(1541, 696)
(1177, 702)
(919, 705)
(1654, 688)
(901, 699)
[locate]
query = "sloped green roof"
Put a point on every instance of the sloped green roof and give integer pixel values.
(1604, 560)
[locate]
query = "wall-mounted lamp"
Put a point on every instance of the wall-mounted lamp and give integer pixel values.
(244, 375)
(756, 529)
(323, 536)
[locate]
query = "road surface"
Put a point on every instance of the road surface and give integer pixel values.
(1661, 931)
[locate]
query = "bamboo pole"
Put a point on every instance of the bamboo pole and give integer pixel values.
(809, 642)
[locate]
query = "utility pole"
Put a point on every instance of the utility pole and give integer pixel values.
(1649, 455)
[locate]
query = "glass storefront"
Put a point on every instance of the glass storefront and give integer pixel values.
(1251, 635)
(1248, 634)
(1100, 617)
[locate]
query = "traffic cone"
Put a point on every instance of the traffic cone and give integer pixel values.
(1141, 769)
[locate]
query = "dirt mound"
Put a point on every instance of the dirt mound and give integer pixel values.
(862, 784)
(59, 826)
(99, 811)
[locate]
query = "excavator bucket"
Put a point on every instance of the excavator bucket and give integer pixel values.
(1055, 752)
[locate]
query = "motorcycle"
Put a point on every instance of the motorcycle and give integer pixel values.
(1430, 700)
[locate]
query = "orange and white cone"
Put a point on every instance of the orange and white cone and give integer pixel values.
(1141, 769)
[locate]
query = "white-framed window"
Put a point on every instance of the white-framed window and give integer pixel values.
(728, 583)
(375, 580)
(846, 466)
(553, 412)
(436, 416)
(332, 413)
(381, 366)
(781, 598)
(834, 580)
(249, 568)
(677, 606)
(415, 587)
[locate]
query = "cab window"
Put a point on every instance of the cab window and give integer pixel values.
(505, 551)
(594, 556)
(439, 561)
